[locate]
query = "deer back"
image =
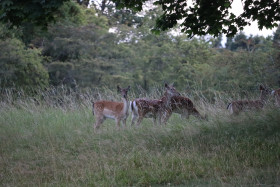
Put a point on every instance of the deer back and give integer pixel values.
(145, 106)
(108, 108)
(236, 106)
(180, 102)
(243, 104)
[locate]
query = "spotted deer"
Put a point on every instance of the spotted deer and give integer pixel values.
(158, 109)
(185, 107)
(235, 107)
(276, 94)
(110, 109)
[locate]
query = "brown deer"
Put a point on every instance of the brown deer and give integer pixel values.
(185, 107)
(276, 94)
(158, 109)
(110, 109)
(235, 107)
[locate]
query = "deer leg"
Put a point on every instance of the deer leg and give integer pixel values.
(117, 123)
(98, 122)
(155, 120)
(133, 118)
(159, 120)
(185, 114)
(166, 116)
(197, 114)
(139, 120)
(124, 122)
(159, 117)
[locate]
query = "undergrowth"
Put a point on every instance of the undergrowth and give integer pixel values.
(56, 146)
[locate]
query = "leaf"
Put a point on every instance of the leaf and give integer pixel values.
(227, 4)
(189, 31)
(232, 16)
(7, 3)
(275, 25)
(155, 31)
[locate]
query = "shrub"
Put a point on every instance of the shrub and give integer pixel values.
(21, 67)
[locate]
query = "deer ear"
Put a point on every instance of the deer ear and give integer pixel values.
(128, 88)
(261, 87)
(166, 85)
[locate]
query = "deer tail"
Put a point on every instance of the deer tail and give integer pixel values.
(131, 106)
(134, 108)
(229, 105)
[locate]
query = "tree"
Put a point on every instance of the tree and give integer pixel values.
(197, 17)
(241, 41)
(217, 42)
(84, 2)
(21, 67)
(276, 45)
(210, 16)
(40, 13)
(17, 12)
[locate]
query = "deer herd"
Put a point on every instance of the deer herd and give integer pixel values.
(161, 109)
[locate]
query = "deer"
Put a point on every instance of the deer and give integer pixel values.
(158, 109)
(276, 94)
(185, 107)
(235, 107)
(111, 109)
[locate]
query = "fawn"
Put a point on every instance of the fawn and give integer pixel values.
(157, 108)
(185, 107)
(235, 107)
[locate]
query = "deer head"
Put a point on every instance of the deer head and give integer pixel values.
(170, 90)
(265, 92)
(123, 91)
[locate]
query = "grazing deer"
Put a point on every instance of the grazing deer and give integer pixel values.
(110, 109)
(185, 107)
(237, 106)
(157, 109)
(276, 94)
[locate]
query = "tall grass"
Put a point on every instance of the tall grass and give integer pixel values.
(43, 143)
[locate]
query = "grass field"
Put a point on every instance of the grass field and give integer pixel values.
(54, 146)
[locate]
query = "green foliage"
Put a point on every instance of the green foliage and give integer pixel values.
(205, 17)
(209, 16)
(79, 50)
(276, 44)
(70, 13)
(84, 49)
(40, 13)
(21, 67)
(118, 17)
(142, 59)
(5, 32)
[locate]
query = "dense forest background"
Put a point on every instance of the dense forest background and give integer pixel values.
(100, 47)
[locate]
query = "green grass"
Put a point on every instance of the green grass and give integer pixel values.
(56, 147)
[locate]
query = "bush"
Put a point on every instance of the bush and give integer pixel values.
(21, 67)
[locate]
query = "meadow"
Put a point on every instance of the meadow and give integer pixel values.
(50, 141)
